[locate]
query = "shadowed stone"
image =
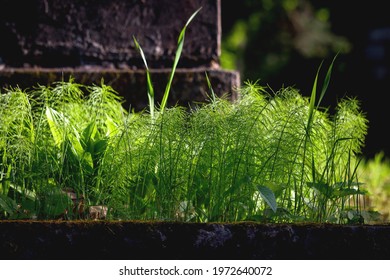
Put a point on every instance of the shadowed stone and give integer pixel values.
(71, 33)
(174, 240)
(48, 41)
(189, 86)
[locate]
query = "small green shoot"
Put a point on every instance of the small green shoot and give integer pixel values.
(213, 96)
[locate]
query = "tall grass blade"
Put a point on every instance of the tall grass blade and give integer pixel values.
(148, 79)
(180, 43)
(312, 101)
(313, 96)
(326, 81)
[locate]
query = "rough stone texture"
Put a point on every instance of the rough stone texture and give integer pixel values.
(59, 33)
(169, 240)
(48, 41)
(189, 86)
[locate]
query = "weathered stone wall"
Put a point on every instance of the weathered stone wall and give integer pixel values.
(73, 33)
(47, 41)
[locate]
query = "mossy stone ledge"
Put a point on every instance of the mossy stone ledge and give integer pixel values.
(78, 240)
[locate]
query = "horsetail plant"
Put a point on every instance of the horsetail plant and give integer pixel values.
(222, 161)
(268, 156)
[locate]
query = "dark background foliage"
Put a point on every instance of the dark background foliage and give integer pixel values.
(282, 43)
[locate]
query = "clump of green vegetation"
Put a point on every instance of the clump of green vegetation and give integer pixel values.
(269, 156)
(266, 157)
(375, 173)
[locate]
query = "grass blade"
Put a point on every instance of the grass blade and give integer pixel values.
(148, 79)
(312, 101)
(213, 97)
(314, 92)
(326, 81)
(180, 43)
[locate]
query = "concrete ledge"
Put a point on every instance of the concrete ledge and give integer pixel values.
(189, 86)
(170, 240)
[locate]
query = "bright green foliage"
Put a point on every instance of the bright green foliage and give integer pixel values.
(266, 157)
(375, 173)
(55, 139)
(254, 159)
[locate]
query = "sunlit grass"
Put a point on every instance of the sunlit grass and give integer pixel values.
(253, 159)
(268, 156)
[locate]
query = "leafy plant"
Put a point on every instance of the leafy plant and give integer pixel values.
(258, 158)
(269, 156)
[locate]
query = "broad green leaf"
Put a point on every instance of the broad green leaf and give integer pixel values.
(76, 146)
(268, 195)
(55, 129)
(100, 146)
(112, 127)
(88, 135)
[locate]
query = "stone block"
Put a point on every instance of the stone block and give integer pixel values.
(73, 33)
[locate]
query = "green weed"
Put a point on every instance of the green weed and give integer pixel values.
(269, 156)
(253, 159)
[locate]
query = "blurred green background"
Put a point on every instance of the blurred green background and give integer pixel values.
(281, 43)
